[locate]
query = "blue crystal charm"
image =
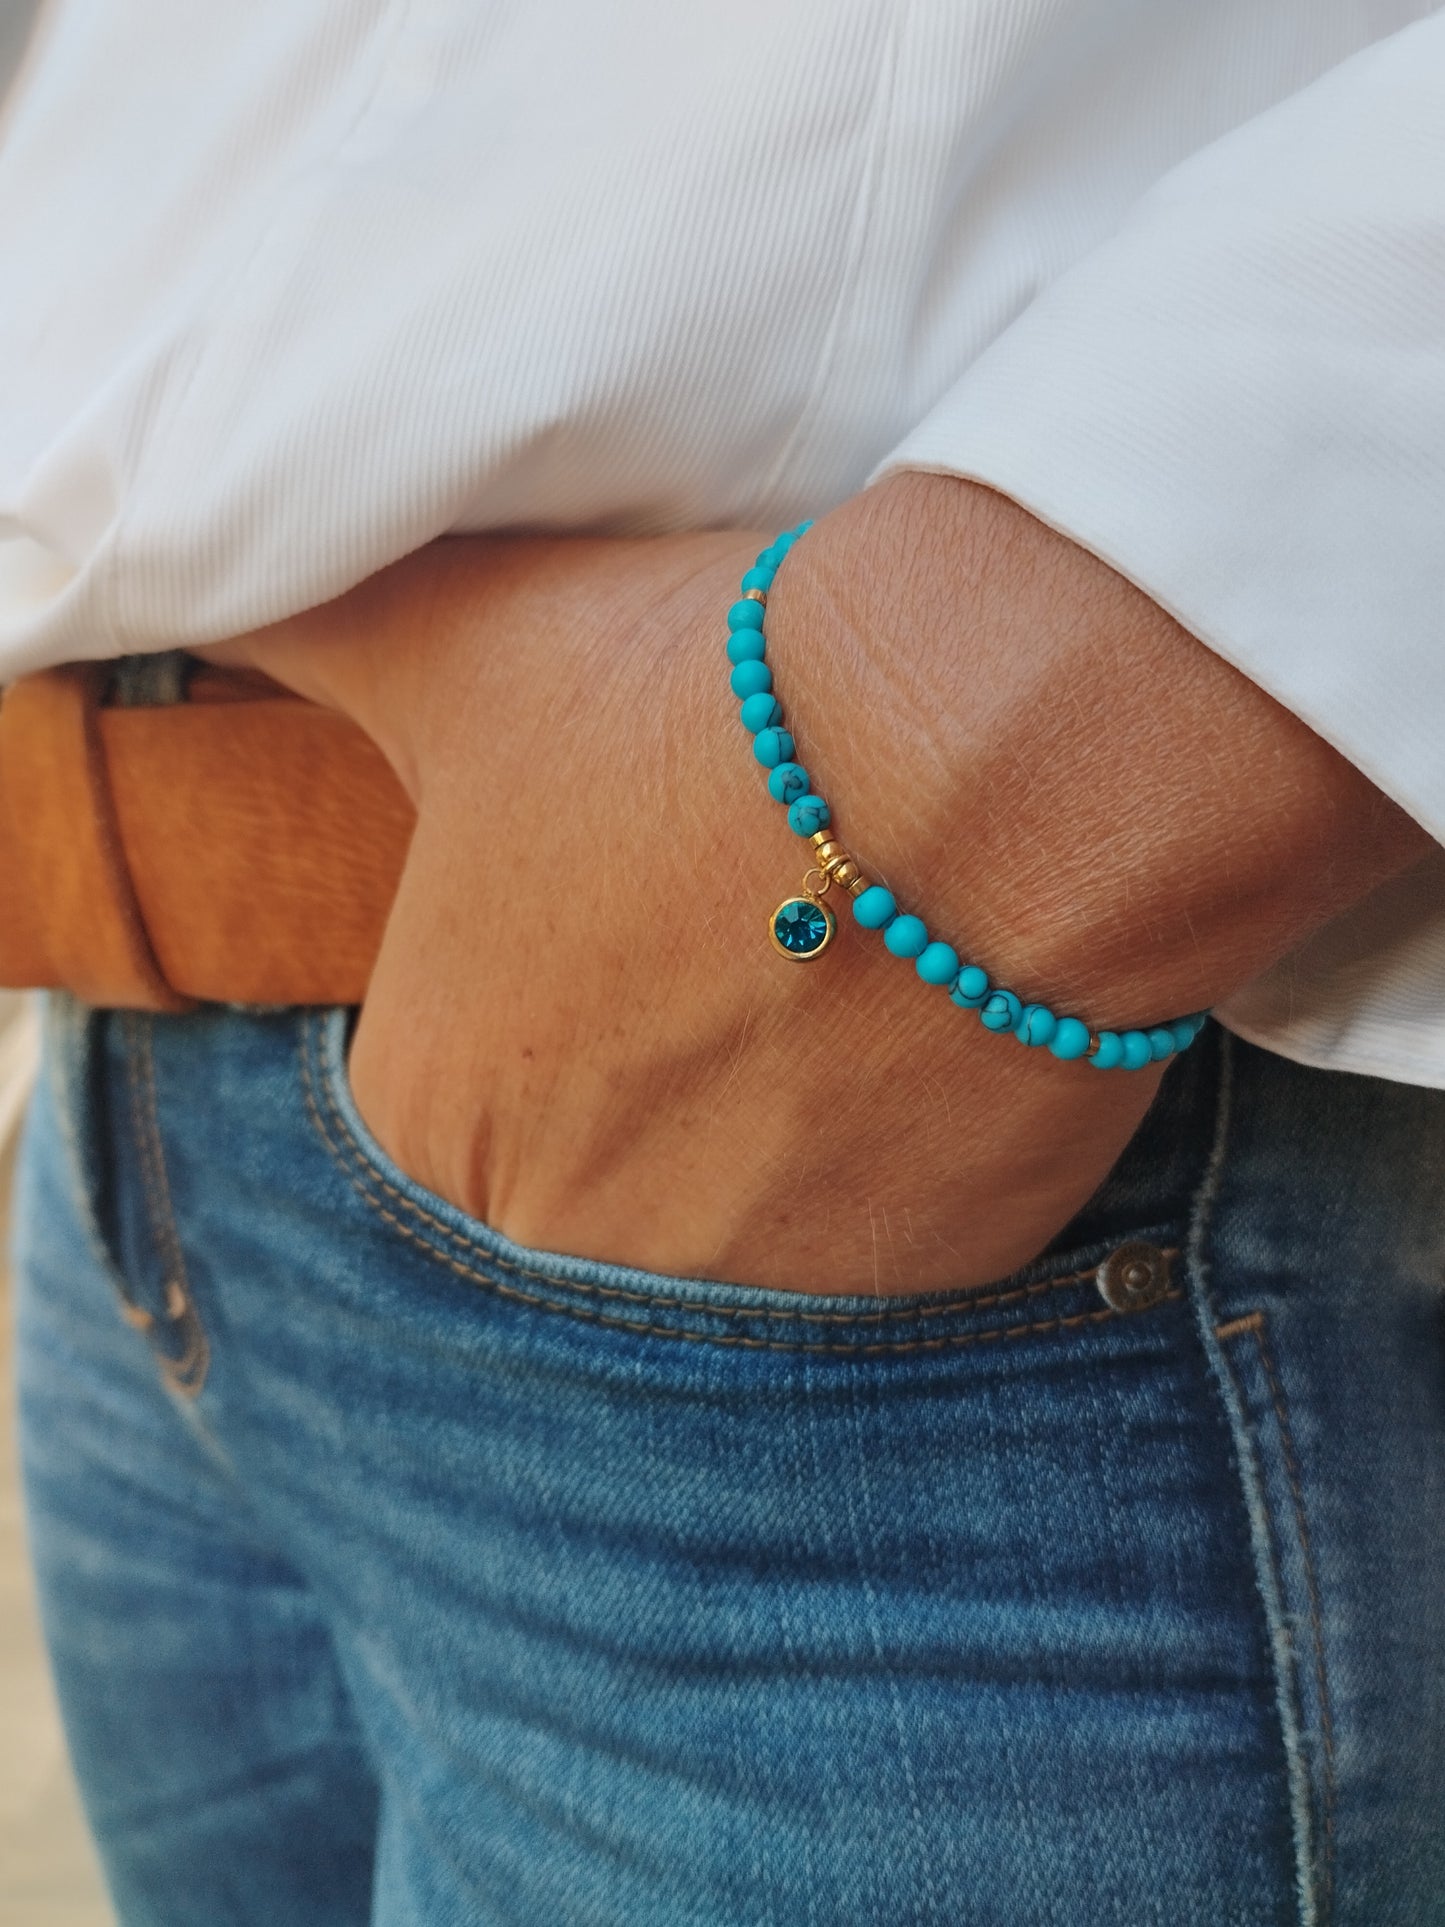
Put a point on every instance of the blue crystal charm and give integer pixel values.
(801, 928)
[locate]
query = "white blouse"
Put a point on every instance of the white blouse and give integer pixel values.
(287, 289)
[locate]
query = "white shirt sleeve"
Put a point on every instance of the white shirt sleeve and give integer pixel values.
(1238, 402)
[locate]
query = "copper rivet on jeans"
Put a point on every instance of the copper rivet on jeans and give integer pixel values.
(1133, 1277)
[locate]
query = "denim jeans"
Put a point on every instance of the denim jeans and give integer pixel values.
(394, 1573)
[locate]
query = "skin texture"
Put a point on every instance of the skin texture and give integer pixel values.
(577, 1029)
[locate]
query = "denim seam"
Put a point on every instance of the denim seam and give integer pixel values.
(1255, 1502)
(356, 1153)
(1257, 1327)
(361, 1185)
(187, 1374)
(64, 1010)
(143, 1129)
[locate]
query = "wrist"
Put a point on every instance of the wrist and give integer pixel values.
(1067, 785)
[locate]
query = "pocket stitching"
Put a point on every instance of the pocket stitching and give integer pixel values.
(361, 1181)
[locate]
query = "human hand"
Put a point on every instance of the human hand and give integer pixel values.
(576, 1028)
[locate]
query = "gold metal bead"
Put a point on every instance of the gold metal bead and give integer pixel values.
(754, 595)
(838, 864)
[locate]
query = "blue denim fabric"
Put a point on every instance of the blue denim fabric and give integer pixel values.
(394, 1573)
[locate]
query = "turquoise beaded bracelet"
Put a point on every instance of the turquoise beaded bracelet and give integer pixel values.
(803, 926)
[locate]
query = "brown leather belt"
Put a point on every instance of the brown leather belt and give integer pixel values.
(239, 847)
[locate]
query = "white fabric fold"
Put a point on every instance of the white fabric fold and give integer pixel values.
(1238, 401)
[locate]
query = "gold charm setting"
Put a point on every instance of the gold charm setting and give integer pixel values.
(801, 928)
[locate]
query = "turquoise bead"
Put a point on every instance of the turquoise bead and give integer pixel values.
(1110, 1054)
(875, 908)
(1183, 1032)
(745, 615)
(971, 989)
(759, 576)
(750, 678)
(787, 782)
(1070, 1038)
(1000, 1010)
(747, 645)
(761, 711)
(938, 964)
(808, 815)
(1036, 1024)
(1161, 1042)
(907, 936)
(1136, 1050)
(773, 556)
(1199, 1020)
(772, 746)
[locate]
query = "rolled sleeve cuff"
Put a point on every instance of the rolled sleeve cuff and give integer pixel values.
(1238, 403)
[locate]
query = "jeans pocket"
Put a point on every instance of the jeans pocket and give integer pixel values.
(1102, 1273)
(858, 1606)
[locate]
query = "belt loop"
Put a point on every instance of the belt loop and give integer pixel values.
(81, 901)
(151, 682)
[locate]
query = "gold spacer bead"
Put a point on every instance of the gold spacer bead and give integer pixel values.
(839, 865)
(754, 595)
